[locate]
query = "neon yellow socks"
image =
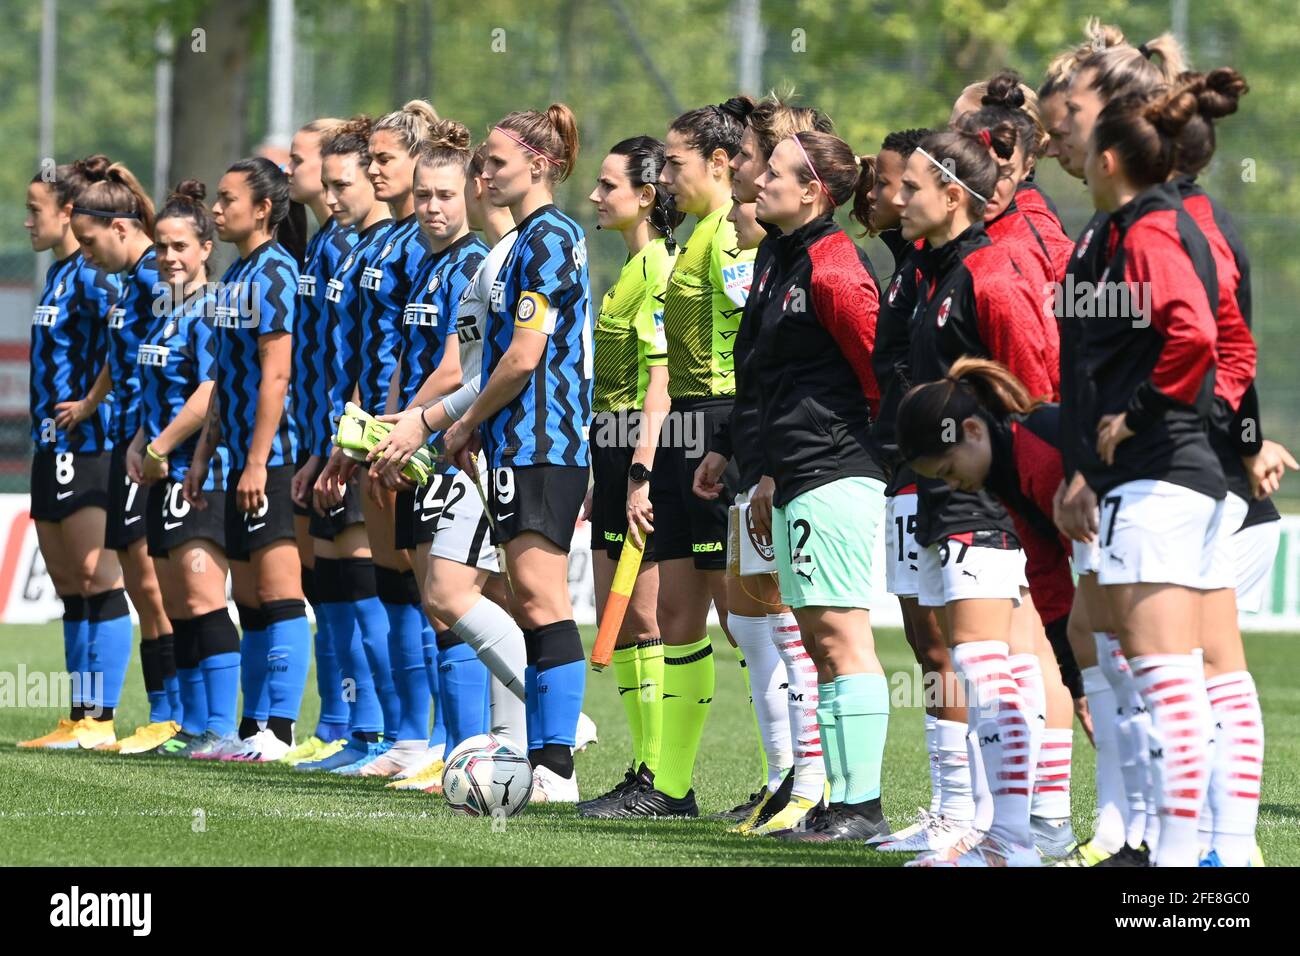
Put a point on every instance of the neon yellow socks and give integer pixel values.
(689, 680)
(627, 671)
(650, 674)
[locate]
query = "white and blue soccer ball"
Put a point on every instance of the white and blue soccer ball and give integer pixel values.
(487, 776)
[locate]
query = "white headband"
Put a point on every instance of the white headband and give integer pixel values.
(949, 175)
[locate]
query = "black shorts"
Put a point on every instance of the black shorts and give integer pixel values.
(415, 521)
(609, 467)
(298, 509)
(687, 526)
(330, 525)
(126, 501)
(65, 482)
(274, 522)
(172, 520)
(546, 499)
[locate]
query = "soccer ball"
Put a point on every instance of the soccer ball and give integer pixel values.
(487, 776)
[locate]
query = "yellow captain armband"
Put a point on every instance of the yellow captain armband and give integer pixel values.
(533, 311)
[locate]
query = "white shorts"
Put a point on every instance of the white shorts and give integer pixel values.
(902, 553)
(1223, 562)
(1155, 532)
(463, 534)
(1085, 556)
(952, 571)
(1256, 549)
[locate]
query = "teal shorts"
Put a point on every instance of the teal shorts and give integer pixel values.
(824, 541)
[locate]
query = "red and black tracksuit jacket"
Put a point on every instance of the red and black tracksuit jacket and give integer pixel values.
(1149, 347)
(1025, 472)
(892, 355)
(972, 300)
(1084, 271)
(1041, 212)
(1235, 429)
(738, 436)
(813, 353)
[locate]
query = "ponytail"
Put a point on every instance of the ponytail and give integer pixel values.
(266, 181)
(711, 128)
(930, 415)
(552, 135)
(967, 157)
(115, 194)
(411, 124)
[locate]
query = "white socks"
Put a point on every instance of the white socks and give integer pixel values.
(1112, 803)
(998, 718)
(1132, 731)
(767, 691)
(932, 752)
(956, 798)
(499, 644)
(1237, 765)
(802, 698)
(1173, 687)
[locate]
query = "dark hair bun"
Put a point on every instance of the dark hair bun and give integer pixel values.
(448, 134)
(738, 107)
(1220, 92)
(1004, 90)
(94, 167)
(1171, 112)
(191, 189)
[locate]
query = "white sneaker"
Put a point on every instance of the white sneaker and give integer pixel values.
(586, 734)
(262, 747)
(921, 821)
(550, 787)
(428, 757)
(401, 756)
(995, 851)
(939, 833)
(958, 839)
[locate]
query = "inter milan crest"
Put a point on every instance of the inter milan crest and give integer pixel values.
(433, 284)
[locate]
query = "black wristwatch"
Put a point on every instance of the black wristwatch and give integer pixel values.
(638, 472)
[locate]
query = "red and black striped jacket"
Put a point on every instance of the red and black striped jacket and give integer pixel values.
(1024, 475)
(891, 358)
(1235, 429)
(972, 300)
(1148, 345)
(813, 356)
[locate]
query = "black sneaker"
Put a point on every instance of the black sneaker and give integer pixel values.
(620, 788)
(856, 822)
(778, 801)
(1129, 856)
(741, 812)
(643, 800)
(819, 818)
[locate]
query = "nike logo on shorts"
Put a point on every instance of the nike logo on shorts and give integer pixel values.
(255, 527)
(64, 494)
(132, 520)
(337, 511)
(172, 525)
(505, 516)
(428, 517)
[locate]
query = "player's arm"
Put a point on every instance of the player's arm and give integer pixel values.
(187, 421)
(274, 352)
(72, 413)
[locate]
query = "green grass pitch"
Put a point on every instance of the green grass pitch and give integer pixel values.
(91, 809)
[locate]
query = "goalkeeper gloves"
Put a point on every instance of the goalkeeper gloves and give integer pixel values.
(358, 434)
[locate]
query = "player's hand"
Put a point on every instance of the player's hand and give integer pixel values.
(134, 464)
(1085, 719)
(250, 494)
(1076, 512)
(640, 512)
(462, 445)
(332, 482)
(395, 449)
(151, 470)
(1265, 470)
(1111, 431)
(192, 487)
(707, 483)
(760, 506)
(586, 506)
(303, 479)
(71, 414)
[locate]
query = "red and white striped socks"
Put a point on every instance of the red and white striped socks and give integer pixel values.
(802, 698)
(998, 717)
(1027, 672)
(1173, 688)
(1051, 797)
(1132, 724)
(1238, 765)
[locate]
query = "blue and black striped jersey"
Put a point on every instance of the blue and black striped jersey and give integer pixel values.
(255, 299)
(343, 317)
(543, 286)
(69, 347)
(178, 354)
(386, 284)
(311, 358)
(430, 314)
(128, 322)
